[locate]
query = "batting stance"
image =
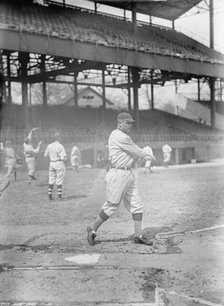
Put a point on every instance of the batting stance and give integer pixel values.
(120, 180)
(57, 155)
(30, 154)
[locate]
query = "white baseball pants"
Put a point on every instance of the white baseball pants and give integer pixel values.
(121, 185)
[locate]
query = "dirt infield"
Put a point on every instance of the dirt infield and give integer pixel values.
(46, 260)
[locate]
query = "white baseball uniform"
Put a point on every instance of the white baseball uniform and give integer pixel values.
(56, 152)
(10, 160)
(75, 156)
(166, 153)
(149, 158)
(120, 180)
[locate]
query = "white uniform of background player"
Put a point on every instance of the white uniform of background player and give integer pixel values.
(30, 154)
(57, 155)
(120, 180)
(75, 157)
(166, 154)
(148, 159)
(10, 158)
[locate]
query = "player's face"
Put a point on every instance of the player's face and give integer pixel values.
(125, 125)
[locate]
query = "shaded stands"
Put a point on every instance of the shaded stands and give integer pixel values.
(85, 125)
(87, 26)
(158, 126)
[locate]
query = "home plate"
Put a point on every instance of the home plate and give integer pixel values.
(84, 259)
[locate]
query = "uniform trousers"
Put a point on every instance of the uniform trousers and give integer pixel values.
(31, 165)
(121, 185)
(56, 173)
(10, 164)
(166, 157)
(74, 160)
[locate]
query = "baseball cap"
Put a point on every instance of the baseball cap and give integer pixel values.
(56, 135)
(125, 116)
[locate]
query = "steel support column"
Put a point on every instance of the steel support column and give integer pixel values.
(103, 95)
(152, 91)
(75, 89)
(212, 90)
(199, 90)
(24, 59)
(129, 90)
(9, 91)
(44, 87)
(135, 78)
(212, 79)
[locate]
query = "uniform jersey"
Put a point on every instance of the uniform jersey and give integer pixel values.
(149, 151)
(122, 150)
(55, 151)
(29, 150)
(75, 151)
(166, 148)
(9, 153)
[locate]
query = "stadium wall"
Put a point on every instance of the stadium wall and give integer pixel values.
(183, 153)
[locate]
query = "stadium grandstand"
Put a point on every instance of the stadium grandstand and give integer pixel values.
(45, 42)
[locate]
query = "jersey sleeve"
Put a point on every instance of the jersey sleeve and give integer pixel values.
(46, 153)
(127, 144)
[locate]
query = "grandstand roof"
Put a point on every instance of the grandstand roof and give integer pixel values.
(167, 9)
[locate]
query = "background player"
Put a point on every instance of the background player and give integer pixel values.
(30, 154)
(75, 158)
(57, 155)
(148, 159)
(10, 158)
(166, 154)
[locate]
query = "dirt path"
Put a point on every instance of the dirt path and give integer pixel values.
(46, 260)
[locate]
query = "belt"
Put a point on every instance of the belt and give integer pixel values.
(120, 168)
(54, 161)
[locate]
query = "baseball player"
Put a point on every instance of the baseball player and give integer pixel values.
(75, 158)
(10, 158)
(30, 154)
(148, 159)
(120, 180)
(4, 183)
(166, 154)
(57, 155)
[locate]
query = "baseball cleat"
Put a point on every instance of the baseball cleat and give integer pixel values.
(142, 240)
(90, 236)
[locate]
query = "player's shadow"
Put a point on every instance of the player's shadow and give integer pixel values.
(74, 196)
(42, 184)
(129, 238)
(149, 232)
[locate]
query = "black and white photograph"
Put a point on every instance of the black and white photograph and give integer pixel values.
(111, 153)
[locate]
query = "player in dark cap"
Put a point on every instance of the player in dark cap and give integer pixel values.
(120, 180)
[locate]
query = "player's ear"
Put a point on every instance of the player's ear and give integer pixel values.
(119, 123)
